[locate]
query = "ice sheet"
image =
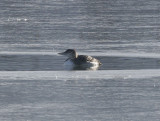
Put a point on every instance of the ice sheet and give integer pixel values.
(93, 53)
(66, 75)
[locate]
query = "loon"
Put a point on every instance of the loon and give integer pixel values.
(79, 60)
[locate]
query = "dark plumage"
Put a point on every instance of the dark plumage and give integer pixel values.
(80, 59)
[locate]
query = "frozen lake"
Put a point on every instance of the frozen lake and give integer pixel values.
(123, 35)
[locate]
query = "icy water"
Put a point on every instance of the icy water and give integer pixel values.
(122, 34)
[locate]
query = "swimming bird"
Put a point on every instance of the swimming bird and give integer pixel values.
(80, 60)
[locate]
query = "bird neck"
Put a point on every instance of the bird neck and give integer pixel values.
(75, 55)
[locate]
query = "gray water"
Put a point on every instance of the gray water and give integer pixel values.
(122, 34)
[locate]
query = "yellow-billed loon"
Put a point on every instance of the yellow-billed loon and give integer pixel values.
(79, 60)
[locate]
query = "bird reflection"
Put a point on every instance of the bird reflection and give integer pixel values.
(93, 68)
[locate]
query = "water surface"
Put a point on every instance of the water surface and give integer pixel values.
(122, 34)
